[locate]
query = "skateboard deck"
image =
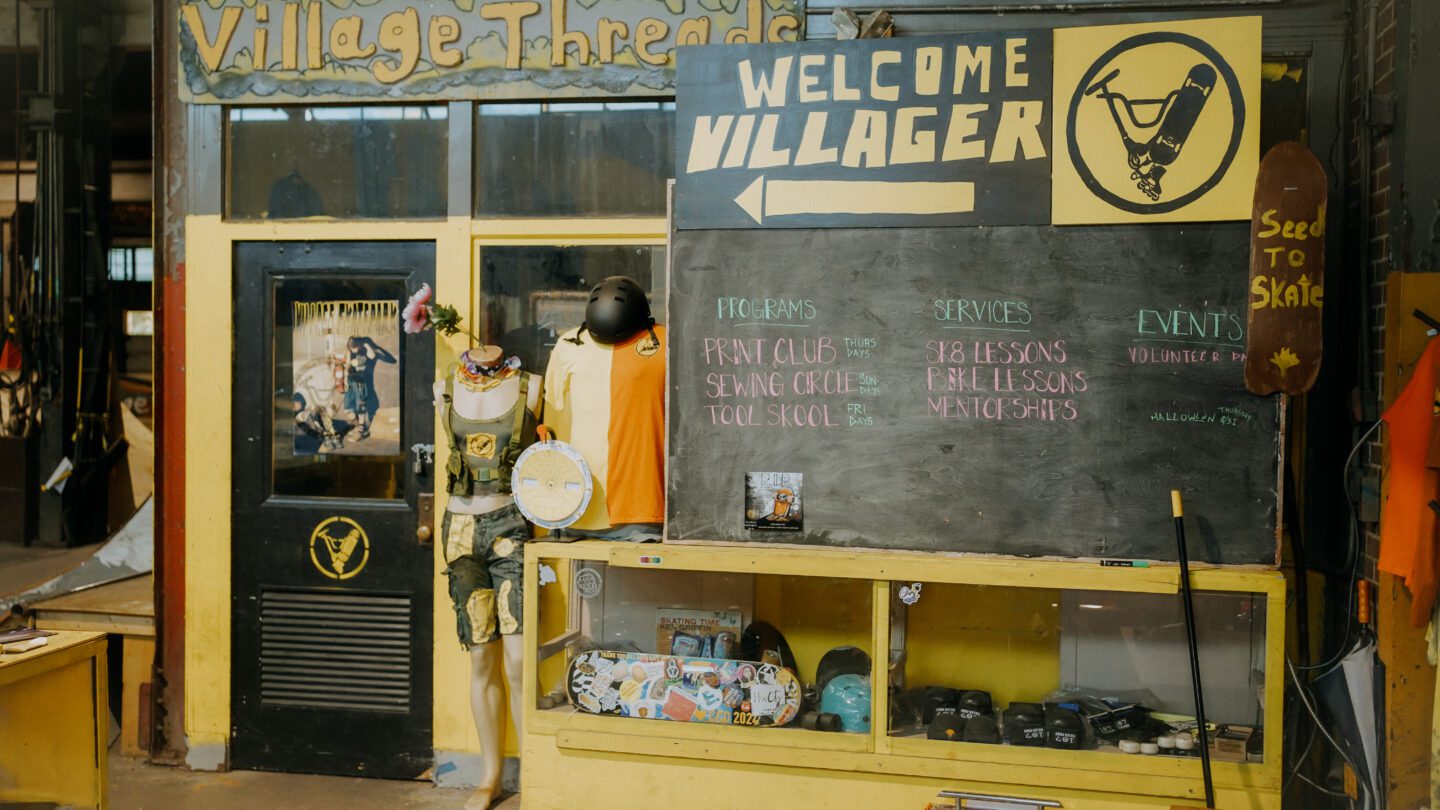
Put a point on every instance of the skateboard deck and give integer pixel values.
(686, 690)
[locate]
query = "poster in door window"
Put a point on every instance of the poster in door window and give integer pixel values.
(346, 391)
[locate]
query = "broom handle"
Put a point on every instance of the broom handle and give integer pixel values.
(1188, 600)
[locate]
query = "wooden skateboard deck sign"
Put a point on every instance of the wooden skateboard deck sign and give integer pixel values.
(687, 690)
(1287, 272)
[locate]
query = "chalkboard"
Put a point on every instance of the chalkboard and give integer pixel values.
(1026, 391)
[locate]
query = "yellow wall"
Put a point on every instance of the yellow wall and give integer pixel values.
(208, 360)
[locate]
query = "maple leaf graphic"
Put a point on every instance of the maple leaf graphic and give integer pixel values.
(1285, 360)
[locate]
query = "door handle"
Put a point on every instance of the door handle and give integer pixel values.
(424, 518)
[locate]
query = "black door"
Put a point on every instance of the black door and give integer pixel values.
(332, 600)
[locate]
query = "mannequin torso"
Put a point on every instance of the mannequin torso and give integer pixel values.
(485, 406)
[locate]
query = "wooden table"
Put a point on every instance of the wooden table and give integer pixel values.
(125, 608)
(54, 722)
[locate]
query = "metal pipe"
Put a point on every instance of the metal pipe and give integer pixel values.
(1188, 599)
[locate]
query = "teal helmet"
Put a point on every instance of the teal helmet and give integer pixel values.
(848, 697)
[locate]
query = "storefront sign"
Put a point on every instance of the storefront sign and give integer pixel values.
(248, 52)
(947, 130)
(1136, 123)
(1287, 272)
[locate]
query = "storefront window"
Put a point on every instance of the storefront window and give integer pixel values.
(574, 159)
(531, 295)
(373, 162)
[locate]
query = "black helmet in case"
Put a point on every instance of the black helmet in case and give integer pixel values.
(618, 309)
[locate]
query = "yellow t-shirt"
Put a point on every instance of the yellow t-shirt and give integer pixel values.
(609, 403)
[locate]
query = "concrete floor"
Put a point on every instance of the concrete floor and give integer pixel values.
(135, 785)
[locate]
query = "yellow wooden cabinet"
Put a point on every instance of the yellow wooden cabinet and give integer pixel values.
(1020, 630)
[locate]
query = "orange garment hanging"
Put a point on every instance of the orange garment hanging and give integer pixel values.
(1407, 524)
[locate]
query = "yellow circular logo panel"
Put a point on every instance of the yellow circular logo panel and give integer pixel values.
(339, 548)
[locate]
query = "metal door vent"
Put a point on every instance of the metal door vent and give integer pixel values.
(330, 650)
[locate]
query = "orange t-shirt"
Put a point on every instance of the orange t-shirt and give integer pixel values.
(609, 403)
(1407, 524)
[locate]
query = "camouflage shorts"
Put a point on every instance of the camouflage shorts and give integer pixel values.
(484, 557)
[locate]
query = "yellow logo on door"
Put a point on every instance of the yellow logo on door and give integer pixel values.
(339, 548)
(480, 445)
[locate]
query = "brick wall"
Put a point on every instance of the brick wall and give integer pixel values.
(1372, 71)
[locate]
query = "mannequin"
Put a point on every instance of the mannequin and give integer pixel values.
(605, 395)
(487, 423)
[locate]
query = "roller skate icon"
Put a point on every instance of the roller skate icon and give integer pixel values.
(1170, 121)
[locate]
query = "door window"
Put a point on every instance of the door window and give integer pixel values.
(337, 392)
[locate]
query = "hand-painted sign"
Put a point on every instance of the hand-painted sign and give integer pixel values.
(252, 51)
(1149, 123)
(944, 130)
(1287, 272)
(1157, 122)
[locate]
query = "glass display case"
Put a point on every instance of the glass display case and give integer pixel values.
(1023, 679)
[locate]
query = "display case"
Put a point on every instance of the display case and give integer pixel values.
(893, 655)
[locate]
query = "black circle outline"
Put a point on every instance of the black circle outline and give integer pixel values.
(1237, 107)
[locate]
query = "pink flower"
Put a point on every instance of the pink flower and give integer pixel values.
(417, 311)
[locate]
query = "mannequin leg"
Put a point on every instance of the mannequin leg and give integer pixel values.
(514, 652)
(486, 705)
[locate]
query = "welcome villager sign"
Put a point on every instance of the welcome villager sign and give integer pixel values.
(1134, 123)
(253, 51)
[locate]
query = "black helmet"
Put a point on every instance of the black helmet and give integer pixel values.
(618, 309)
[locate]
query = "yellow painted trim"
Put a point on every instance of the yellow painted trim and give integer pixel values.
(209, 251)
(880, 655)
(551, 231)
(700, 736)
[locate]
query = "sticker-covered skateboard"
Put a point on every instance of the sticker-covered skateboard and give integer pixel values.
(687, 690)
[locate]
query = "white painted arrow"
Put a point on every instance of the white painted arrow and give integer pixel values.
(788, 197)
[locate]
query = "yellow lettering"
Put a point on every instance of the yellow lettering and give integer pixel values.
(1014, 58)
(260, 53)
(769, 90)
(694, 31)
(883, 92)
(865, 144)
(910, 146)
(314, 36)
(648, 32)
(751, 30)
(399, 32)
(1296, 258)
(780, 24)
(561, 39)
(764, 155)
(1268, 218)
(739, 143)
(807, 83)
(1019, 126)
(513, 13)
(840, 92)
(345, 39)
(707, 142)
(211, 51)
(290, 38)
(1262, 296)
(812, 150)
(969, 62)
(1274, 254)
(928, 64)
(443, 31)
(958, 137)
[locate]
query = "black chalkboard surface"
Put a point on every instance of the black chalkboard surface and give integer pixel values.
(1026, 391)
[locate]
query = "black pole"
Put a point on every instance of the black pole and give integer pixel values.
(1189, 601)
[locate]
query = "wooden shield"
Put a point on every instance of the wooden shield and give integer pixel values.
(1287, 272)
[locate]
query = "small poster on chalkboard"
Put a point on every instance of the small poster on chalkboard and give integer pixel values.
(772, 502)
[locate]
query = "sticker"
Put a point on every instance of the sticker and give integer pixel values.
(588, 703)
(638, 673)
(603, 680)
(609, 701)
(910, 594)
(766, 698)
(629, 691)
(647, 346)
(658, 689)
(588, 583)
(672, 670)
(679, 706)
(650, 559)
(339, 548)
(480, 445)
(733, 696)
(773, 502)
(547, 575)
